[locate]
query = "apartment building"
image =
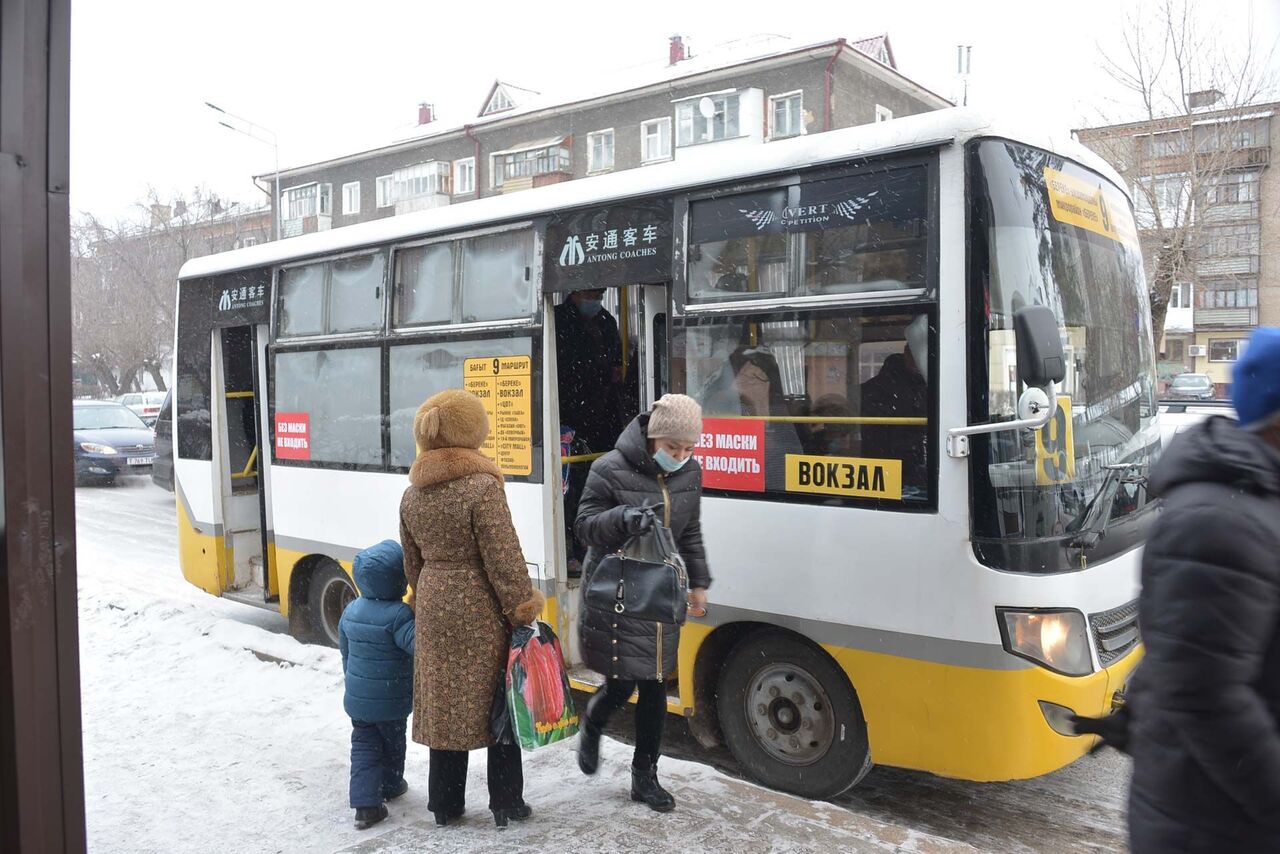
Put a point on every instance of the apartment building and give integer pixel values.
(746, 93)
(1203, 188)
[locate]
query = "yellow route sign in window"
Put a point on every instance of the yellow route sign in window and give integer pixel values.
(1092, 205)
(504, 384)
(1055, 447)
(850, 477)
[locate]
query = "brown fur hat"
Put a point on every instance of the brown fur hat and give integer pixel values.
(454, 418)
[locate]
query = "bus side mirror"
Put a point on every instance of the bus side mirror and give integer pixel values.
(1040, 357)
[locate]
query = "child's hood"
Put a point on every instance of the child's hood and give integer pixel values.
(379, 571)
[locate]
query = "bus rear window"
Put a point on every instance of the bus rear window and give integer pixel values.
(832, 408)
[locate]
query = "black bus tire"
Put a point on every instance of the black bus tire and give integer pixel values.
(791, 718)
(329, 593)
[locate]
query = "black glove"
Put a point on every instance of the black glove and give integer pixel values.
(637, 520)
(1113, 729)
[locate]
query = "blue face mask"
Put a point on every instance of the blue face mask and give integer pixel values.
(590, 307)
(668, 463)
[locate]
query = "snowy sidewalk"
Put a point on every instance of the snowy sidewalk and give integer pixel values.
(573, 812)
(208, 729)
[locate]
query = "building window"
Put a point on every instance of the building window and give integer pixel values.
(351, 198)
(1232, 241)
(1168, 144)
(1168, 193)
(1226, 349)
(499, 102)
(883, 114)
(464, 176)
(1234, 188)
(600, 151)
(528, 163)
(655, 140)
(300, 202)
(1229, 293)
(326, 200)
(421, 179)
(786, 115)
(707, 119)
(250, 241)
(1177, 350)
(383, 189)
(1180, 295)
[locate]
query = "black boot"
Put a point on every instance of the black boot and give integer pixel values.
(520, 813)
(588, 747)
(443, 817)
(367, 817)
(396, 791)
(646, 789)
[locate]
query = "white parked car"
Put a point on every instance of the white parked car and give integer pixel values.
(1178, 415)
(145, 404)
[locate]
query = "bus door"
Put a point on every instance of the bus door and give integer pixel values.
(237, 357)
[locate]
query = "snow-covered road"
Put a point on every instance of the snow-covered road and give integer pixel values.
(208, 729)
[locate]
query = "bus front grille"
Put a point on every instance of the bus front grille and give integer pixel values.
(1115, 632)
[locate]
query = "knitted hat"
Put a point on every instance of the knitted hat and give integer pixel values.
(1255, 387)
(451, 419)
(676, 416)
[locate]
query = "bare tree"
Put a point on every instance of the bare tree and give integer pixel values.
(124, 277)
(1196, 153)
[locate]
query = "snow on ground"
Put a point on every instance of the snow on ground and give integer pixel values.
(207, 728)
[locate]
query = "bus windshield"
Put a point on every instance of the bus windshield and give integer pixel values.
(1049, 232)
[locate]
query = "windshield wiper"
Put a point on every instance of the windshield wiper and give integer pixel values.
(1097, 513)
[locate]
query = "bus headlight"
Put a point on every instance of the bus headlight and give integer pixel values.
(1057, 639)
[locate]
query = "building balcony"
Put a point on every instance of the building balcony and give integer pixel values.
(305, 225)
(528, 182)
(421, 202)
(1240, 265)
(1223, 213)
(1226, 318)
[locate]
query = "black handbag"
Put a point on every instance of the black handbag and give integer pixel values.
(645, 580)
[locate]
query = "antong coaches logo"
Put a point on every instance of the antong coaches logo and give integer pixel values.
(572, 253)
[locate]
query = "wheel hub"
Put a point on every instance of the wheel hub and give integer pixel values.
(334, 599)
(790, 714)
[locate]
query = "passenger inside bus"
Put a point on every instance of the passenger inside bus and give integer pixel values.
(590, 378)
(900, 390)
(750, 385)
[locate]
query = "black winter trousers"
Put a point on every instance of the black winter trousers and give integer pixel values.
(651, 714)
(447, 779)
(377, 760)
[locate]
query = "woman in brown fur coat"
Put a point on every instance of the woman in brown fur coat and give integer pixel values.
(464, 562)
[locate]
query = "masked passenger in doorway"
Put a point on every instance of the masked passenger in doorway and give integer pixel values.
(588, 372)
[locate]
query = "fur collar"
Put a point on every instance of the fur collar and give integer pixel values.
(445, 464)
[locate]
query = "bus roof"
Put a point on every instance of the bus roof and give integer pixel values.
(938, 127)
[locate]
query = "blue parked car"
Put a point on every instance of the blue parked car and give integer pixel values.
(110, 440)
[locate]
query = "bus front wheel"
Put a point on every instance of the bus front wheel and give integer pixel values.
(330, 592)
(791, 718)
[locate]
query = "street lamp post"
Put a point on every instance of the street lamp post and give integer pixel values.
(274, 142)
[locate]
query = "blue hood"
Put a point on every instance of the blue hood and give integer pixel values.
(379, 571)
(117, 437)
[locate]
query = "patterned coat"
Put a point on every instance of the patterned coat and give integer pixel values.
(463, 559)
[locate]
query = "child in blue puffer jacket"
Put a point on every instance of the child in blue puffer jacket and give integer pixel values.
(375, 636)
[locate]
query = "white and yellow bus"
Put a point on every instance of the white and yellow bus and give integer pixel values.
(918, 560)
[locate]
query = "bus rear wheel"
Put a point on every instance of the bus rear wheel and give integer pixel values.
(330, 592)
(791, 718)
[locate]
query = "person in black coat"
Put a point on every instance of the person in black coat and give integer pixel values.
(1205, 703)
(651, 465)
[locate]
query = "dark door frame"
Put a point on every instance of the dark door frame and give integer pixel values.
(41, 773)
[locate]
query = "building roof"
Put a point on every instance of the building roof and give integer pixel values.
(878, 48)
(762, 48)
(1243, 112)
(924, 130)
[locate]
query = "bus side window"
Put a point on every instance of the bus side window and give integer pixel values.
(819, 407)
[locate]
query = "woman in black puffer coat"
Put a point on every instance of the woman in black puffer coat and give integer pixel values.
(652, 464)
